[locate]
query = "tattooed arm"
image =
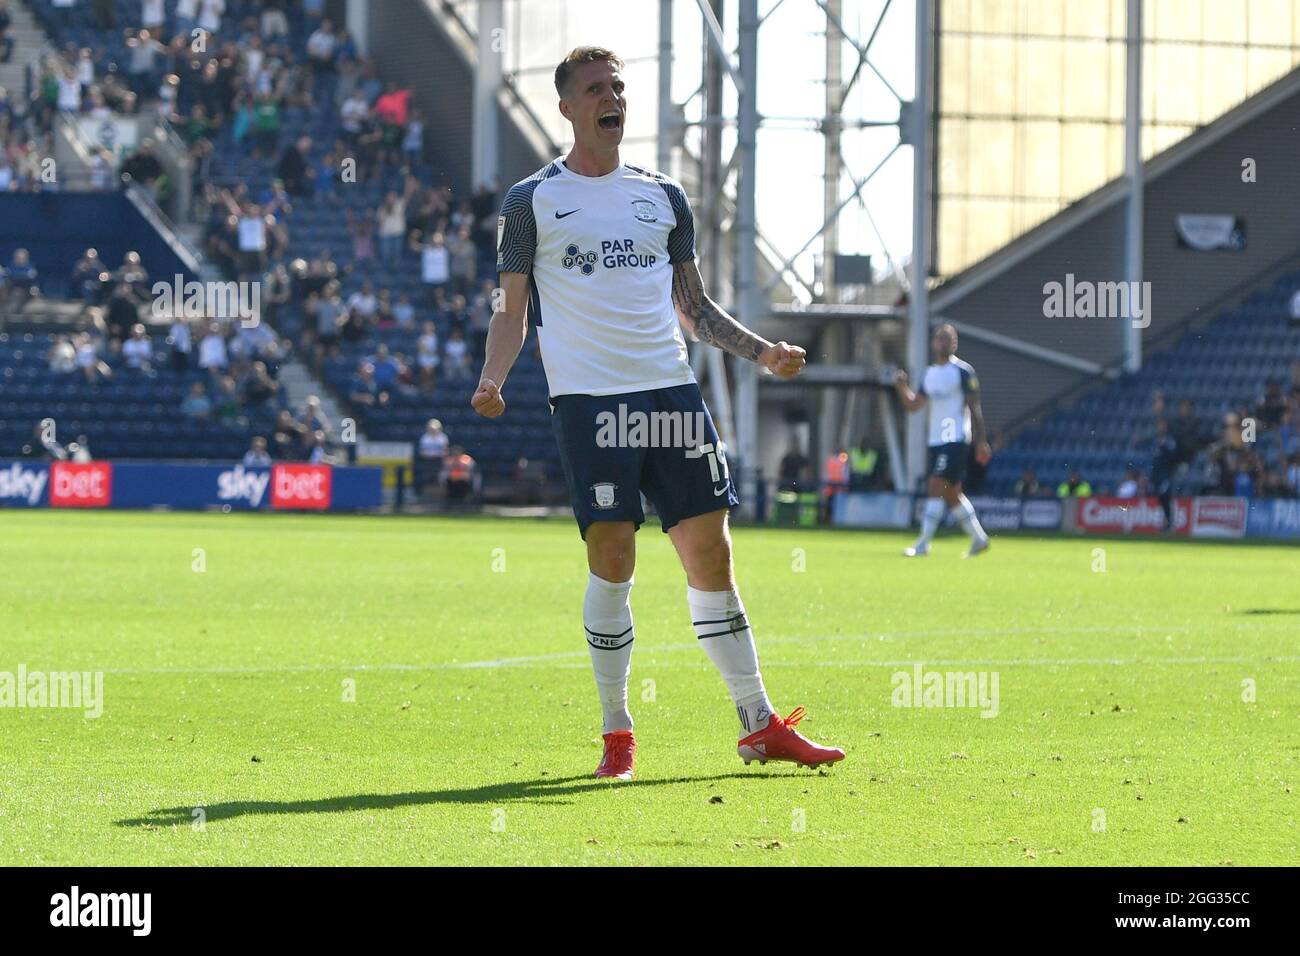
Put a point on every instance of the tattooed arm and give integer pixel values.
(709, 323)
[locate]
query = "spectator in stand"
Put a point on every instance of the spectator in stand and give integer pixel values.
(123, 314)
(793, 469)
(392, 223)
(62, 356)
(364, 390)
(256, 456)
(6, 42)
(225, 404)
(296, 170)
(329, 173)
(480, 318)
(274, 25)
(484, 204)
(430, 452)
(364, 301)
(259, 387)
(313, 417)
(1271, 406)
(460, 476)
(387, 370)
(143, 51)
(92, 366)
(353, 116)
(391, 111)
(413, 139)
(181, 341)
(289, 441)
(1074, 486)
(253, 242)
(464, 262)
(404, 312)
(134, 275)
(456, 357)
(428, 357)
(1131, 487)
(137, 351)
(318, 452)
(144, 167)
(79, 450)
(384, 311)
(264, 124)
(435, 267)
(1027, 486)
(153, 15)
(197, 406)
(44, 445)
(19, 282)
(320, 48)
(210, 14)
(90, 277)
(213, 355)
(69, 95)
(330, 316)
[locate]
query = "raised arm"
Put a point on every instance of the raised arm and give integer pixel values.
(709, 323)
(911, 400)
(505, 338)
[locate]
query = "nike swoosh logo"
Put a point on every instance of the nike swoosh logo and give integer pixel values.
(719, 493)
(561, 215)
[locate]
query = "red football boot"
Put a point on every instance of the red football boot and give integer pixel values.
(620, 749)
(780, 741)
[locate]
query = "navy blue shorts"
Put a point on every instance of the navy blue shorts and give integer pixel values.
(949, 461)
(660, 443)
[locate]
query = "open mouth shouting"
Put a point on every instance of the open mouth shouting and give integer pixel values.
(610, 120)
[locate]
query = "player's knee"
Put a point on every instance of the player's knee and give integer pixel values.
(711, 561)
(611, 551)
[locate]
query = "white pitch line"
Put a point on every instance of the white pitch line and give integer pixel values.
(579, 658)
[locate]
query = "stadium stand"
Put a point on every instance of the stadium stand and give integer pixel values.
(1244, 365)
(270, 111)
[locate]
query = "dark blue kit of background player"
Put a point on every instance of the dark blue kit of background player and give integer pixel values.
(949, 461)
(606, 484)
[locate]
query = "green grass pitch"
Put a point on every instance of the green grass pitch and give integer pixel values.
(1147, 713)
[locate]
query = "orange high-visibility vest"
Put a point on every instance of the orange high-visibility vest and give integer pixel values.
(837, 469)
(459, 468)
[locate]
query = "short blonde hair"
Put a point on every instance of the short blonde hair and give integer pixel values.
(579, 55)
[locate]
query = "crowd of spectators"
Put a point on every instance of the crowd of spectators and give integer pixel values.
(1254, 452)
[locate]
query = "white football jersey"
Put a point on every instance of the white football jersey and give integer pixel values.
(946, 386)
(599, 251)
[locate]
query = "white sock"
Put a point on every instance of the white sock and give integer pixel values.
(607, 617)
(970, 523)
(723, 631)
(930, 518)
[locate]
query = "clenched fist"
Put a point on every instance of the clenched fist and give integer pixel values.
(783, 360)
(487, 400)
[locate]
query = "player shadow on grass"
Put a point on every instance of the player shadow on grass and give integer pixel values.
(534, 791)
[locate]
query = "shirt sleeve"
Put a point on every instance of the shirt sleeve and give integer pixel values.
(681, 240)
(969, 383)
(517, 231)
